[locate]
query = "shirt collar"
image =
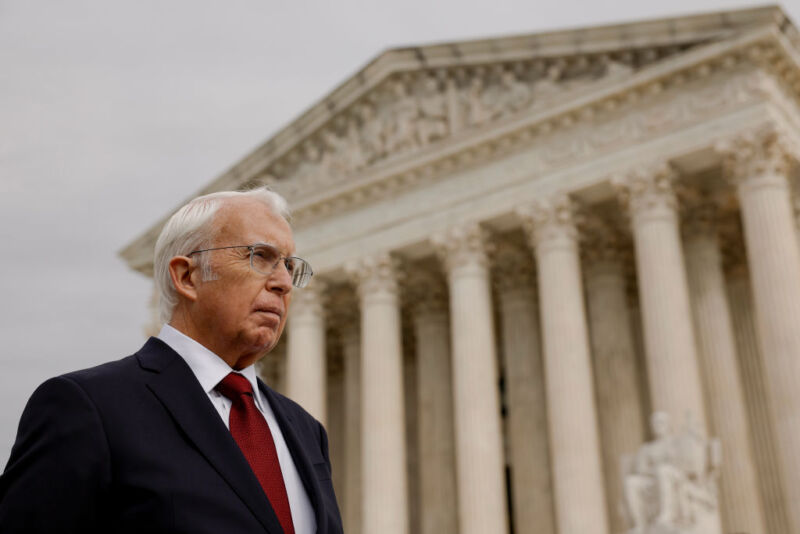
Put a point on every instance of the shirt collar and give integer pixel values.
(208, 368)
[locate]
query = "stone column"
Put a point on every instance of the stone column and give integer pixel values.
(574, 444)
(622, 429)
(755, 391)
(335, 426)
(351, 355)
(479, 456)
(384, 502)
(526, 423)
(435, 434)
(306, 366)
(758, 162)
(412, 434)
(272, 367)
(740, 502)
(638, 341)
(670, 347)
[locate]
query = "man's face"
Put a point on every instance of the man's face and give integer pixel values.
(241, 313)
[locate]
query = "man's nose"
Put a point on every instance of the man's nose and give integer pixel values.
(280, 279)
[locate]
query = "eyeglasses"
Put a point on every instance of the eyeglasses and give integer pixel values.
(264, 258)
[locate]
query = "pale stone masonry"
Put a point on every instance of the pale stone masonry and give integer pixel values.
(528, 449)
(574, 440)
(620, 414)
(534, 219)
(384, 505)
(306, 365)
(741, 505)
(476, 402)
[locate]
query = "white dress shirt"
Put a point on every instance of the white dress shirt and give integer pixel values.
(210, 369)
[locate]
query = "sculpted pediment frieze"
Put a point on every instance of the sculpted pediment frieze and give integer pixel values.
(413, 114)
(410, 112)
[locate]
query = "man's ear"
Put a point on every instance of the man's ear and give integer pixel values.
(183, 272)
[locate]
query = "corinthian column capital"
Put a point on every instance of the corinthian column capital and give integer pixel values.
(375, 275)
(701, 217)
(462, 246)
(602, 242)
(648, 192)
(757, 158)
(343, 314)
(512, 268)
(425, 291)
(550, 223)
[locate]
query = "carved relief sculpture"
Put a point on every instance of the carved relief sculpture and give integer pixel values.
(402, 133)
(432, 124)
(512, 95)
(372, 135)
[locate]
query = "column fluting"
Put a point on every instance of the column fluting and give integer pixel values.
(526, 422)
(306, 365)
(670, 347)
(345, 320)
(622, 429)
(755, 390)
(437, 492)
(384, 482)
(574, 443)
(476, 404)
(740, 502)
(758, 162)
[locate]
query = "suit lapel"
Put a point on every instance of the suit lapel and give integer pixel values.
(175, 385)
(296, 447)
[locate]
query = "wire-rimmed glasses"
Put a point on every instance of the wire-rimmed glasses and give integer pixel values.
(264, 258)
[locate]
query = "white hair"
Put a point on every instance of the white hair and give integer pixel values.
(191, 228)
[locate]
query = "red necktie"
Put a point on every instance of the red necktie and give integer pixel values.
(251, 432)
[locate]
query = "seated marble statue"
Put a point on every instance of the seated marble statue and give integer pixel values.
(671, 480)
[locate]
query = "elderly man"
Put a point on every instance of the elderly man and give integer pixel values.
(182, 436)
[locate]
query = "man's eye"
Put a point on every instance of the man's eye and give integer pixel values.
(265, 254)
(290, 265)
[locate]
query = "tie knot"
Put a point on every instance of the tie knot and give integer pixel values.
(234, 386)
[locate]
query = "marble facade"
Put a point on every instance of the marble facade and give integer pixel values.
(540, 241)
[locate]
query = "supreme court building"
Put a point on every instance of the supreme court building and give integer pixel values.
(525, 246)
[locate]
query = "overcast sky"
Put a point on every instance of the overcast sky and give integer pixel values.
(112, 113)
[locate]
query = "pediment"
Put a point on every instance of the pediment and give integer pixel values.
(413, 112)
(409, 103)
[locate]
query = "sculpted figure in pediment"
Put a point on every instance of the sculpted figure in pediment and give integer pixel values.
(479, 111)
(615, 69)
(373, 143)
(456, 105)
(309, 165)
(512, 95)
(353, 155)
(548, 85)
(432, 123)
(335, 153)
(402, 134)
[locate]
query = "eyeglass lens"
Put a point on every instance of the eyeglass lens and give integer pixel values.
(264, 259)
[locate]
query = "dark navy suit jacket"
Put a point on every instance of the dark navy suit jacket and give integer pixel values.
(136, 446)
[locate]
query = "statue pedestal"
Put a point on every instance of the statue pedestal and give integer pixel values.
(705, 524)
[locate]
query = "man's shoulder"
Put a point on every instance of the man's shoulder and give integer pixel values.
(128, 369)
